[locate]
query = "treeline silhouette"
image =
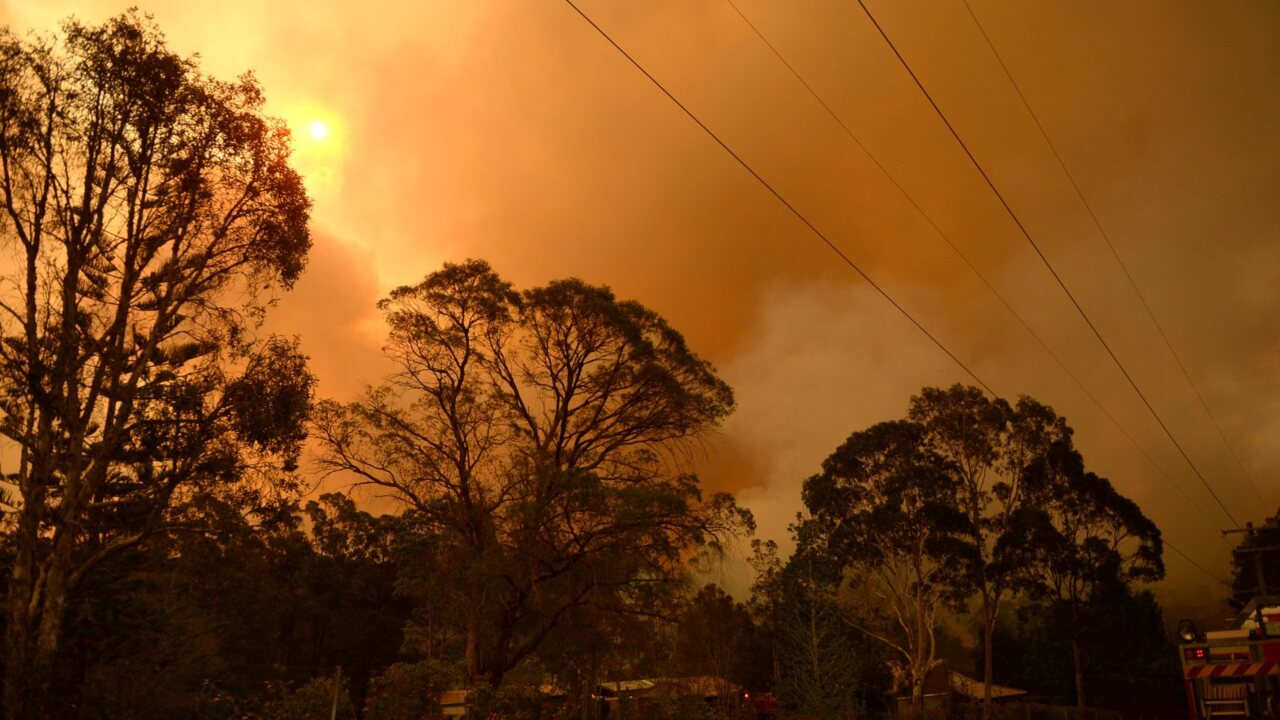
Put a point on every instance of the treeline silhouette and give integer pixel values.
(163, 557)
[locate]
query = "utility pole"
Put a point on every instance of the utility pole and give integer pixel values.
(1257, 552)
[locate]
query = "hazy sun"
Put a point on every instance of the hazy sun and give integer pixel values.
(319, 130)
(318, 150)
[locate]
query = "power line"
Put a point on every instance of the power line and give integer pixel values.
(1195, 564)
(947, 239)
(1052, 271)
(813, 228)
(1114, 253)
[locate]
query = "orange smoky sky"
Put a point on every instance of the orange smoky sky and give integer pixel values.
(510, 130)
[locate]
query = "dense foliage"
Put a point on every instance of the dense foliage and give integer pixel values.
(147, 213)
(969, 496)
(1133, 667)
(887, 508)
(538, 437)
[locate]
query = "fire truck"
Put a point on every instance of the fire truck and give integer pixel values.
(1234, 673)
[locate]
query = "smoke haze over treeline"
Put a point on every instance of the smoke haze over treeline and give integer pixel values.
(510, 131)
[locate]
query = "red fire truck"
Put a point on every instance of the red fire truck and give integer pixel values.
(1234, 673)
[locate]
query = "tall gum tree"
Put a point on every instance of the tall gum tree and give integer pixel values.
(542, 435)
(1076, 541)
(887, 508)
(147, 214)
(990, 447)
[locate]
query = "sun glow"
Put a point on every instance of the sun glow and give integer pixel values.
(318, 147)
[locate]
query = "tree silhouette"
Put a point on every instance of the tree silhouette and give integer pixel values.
(148, 212)
(540, 434)
(888, 509)
(989, 446)
(1077, 542)
(819, 664)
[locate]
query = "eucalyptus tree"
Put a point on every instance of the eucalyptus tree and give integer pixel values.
(543, 435)
(147, 214)
(888, 508)
(1077, 542)
(990, 447)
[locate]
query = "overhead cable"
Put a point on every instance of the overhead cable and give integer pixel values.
(1048, 265)
(786, 203)
(1106, 237)
(964, 258)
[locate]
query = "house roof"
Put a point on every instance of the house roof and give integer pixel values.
(458, 696)
(972, 689)
(629, 686)
(699, 685)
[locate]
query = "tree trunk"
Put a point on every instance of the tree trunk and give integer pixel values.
(921, 671)
(497, 660)
(917, 696)
(34, 618)
(28, 651)
(54, 605)
(18, 629)
(472, 657)
(20, 683)
(815, 661)
(1077, 660)
(493, 675)
(988, 663)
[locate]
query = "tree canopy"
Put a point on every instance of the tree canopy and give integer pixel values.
(889, 509)
(541, 434)
(148, 212)
(1077, 542)
(990, 446)
(970, 495)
